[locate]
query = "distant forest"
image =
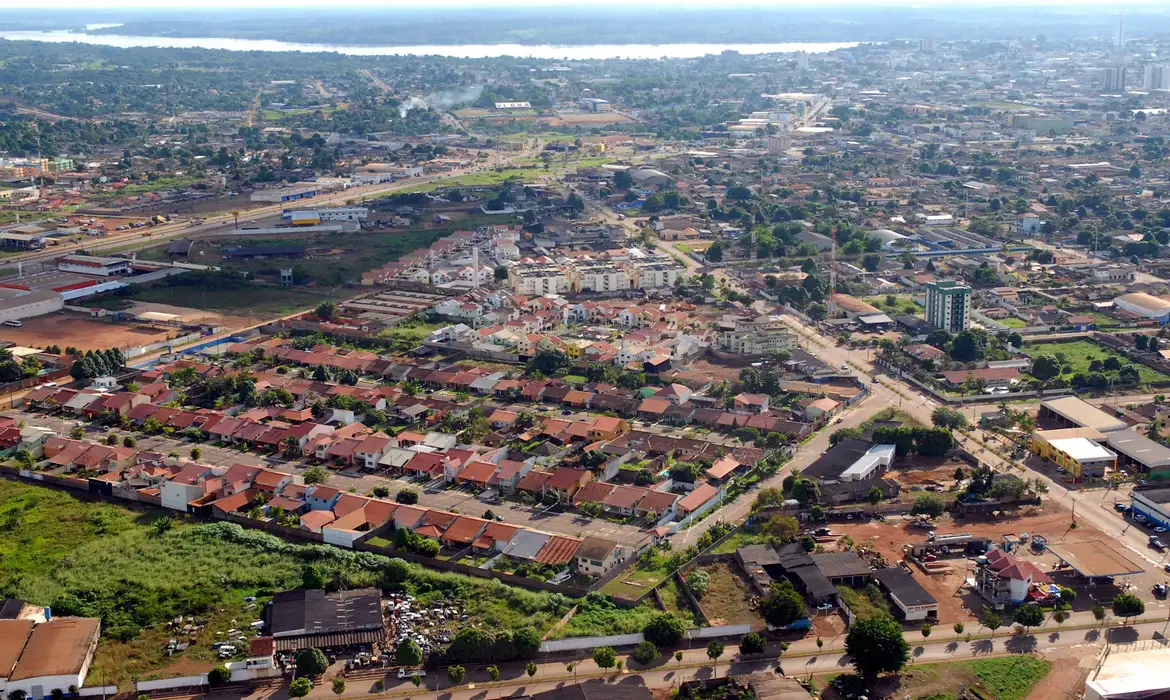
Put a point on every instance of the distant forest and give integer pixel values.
(577, 26)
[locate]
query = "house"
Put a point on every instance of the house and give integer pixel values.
(696, 499)
(722, 468)
(463, 531)
(191, 483)
(676, 394)
(1006, 580)
(991, 377)
(565, 482)
(495, 537)
(370, 450)
(597, 557)
(814, 410)
(656, 505)
(322, 497)
(48, 659)
(751, 403)
(622, 499)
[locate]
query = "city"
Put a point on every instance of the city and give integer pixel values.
(733, 370)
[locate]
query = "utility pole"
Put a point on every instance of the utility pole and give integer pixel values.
(833, 276)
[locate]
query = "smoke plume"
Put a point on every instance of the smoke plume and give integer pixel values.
(443, 99)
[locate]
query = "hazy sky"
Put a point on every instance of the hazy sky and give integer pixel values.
(387, 4)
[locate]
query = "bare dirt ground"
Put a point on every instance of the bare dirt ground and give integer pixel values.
(942, 476)
(592, 118)
(727, 599)
(67, 329)
(956, 604)
(190, 315)
(702, 371)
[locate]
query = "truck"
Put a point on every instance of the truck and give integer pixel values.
(1157, 543)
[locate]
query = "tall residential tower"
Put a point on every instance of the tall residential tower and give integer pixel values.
(948, 305)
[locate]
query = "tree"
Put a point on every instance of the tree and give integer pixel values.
(1098, 612)
(316, 475)
(129, 441)
(300, 687)
(664, 629)
(215, 677)
(196, 453)
(715, 252)
(782, 605)
(877, 646)
(1127, 605)
(1029, 616)
(752, 643)
(493, 672)
(1046, 367)
(325, 310)
(959, 627)
(1059, 616)
(926, 630)
(714, 651)
(644, 653)
(456, 674)
(697, 582)
(417, 680)
(339, 686)
(875, 496)
(312, 662)
(408, 653)
(782, 528)
(948, 418)
(928, 504)
(604, 657)
(991, 620)
(406, 497)
(530, 669)
(77, 432)
(500, 273)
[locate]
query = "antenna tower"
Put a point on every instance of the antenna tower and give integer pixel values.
(833, 277)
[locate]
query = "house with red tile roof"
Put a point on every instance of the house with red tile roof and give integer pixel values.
(696, 499)
(371, 449)
(656, 505)
(495, 537)
(565, 482)
(622, 499)
(593, 492)
(559, 550)
(463, 531)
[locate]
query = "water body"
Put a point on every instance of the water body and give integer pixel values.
(594, 51)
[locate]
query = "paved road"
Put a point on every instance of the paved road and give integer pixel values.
(802, 659)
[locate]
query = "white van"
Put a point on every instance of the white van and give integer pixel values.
(14, 324)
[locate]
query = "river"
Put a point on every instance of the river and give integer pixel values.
(586, 52)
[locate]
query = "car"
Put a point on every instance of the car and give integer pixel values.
(1120, 507)
(1166, 568)
(1160, 589)
(250, 599)
(14, 323)
(1159, 529)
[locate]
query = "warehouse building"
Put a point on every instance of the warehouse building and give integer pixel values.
(912, 602)
(40, 659)
(1137, 450)
(1152, 503)
(1146, 305)
(94, 265)
(1077, 451)
(1069, 411)
(312, 618)
(19, 304)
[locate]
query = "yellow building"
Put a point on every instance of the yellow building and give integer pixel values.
(1077, 451)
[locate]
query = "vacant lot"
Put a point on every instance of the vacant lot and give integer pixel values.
(81, 332)
(1079, 353)
(136, 568)
(728, 597)
(902, 304)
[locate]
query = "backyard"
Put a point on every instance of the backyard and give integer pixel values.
(1079, 353)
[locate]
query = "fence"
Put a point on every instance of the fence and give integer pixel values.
(169, 683)
(580, 643)
(29, 382)
(98, 690)
(140, 350)
(716, 632)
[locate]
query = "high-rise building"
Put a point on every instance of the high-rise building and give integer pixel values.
(1157, 77)
(802, 60)
(948, 305)
(1114, 79)
(926, 45)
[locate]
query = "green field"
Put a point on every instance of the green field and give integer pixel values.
(1079, 353)
(106, 560)
(491, 177)
(903, 304)
(162, 183)
(1012, 322)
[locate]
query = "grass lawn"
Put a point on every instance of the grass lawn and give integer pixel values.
(107, 560)
(640, 578)
(575, 379)
(1012, 322)
(903, 304)
(162, 183)
(1104, 320)
(491, 177)
(1079, 353)
(1002, 678)
(409, 334)
(741, 538)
